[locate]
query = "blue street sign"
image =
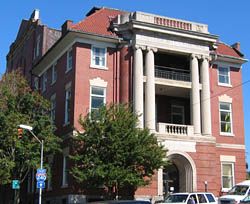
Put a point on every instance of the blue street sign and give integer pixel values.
(40, 184)
(15, 184)
(41, 175)
(41, 171)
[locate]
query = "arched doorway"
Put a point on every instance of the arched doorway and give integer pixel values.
(179, 175)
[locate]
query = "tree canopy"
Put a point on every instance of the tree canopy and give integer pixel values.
(114, 153)
(20, 105)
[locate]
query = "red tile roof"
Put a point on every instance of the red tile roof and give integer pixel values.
(98, 22)
(227, 50)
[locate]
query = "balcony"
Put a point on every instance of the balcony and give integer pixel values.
(175, 129)
(172, 73)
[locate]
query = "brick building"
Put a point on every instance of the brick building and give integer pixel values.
(183, 81)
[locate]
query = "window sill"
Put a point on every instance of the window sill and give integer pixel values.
(225, 190)
(65, 186)
(227, 134)
(98, 67)
(67, 70)
(225, 85)
(65, 124)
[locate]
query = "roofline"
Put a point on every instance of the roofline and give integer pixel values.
(111, 39)
(232, 59)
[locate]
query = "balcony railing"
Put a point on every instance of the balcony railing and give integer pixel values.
(172, 73)
(175, 129)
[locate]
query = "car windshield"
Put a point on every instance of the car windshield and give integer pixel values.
(238, 190)
(180, 198)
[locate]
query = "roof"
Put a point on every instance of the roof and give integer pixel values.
(227, 50)
(98, 21)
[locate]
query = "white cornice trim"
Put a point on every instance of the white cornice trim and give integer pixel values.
(230, 146)
(186, 35)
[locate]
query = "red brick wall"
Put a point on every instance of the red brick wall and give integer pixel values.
(84, 72)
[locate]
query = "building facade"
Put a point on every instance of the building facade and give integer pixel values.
(184, 83)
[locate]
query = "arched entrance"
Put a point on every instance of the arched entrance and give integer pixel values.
(179, 175)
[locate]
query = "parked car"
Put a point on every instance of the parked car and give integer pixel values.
(191, 198)
(236, 194)
(246, 200)
(121, 202)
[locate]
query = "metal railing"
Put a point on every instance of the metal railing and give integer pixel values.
(172, 73)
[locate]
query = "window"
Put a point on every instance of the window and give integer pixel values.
(65, 167)
(227, 175)
(210, 198)
(201, 198)
(49, 182)
(69, 60)
(53, 74)
(225, 118)
(97, 98)
(44, 81)
(53, 107)
(224, 75)
(36, 83)
(177, 114)
(98, 58)
(67, 103)
(38, 45)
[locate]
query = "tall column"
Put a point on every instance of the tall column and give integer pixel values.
(150, 89)
(205, 97)
(138, 84)
(196, 119)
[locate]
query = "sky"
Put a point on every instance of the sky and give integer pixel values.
(229, 19)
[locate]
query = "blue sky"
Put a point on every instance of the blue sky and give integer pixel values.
(228, 19)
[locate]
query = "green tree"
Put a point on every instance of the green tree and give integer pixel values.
(20, 105)
(114, 153)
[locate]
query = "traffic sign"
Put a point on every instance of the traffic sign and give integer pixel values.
(15, 184)
(41, 175)
(40, 184)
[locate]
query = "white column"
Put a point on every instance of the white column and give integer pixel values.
(150, 90)
(138, 84)
(196, 119)
(205, 98)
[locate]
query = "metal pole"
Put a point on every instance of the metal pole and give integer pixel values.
(41, 166)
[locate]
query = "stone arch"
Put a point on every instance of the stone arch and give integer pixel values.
(186, 170)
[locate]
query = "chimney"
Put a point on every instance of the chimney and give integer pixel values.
(65, 27)
(236, 46)
(35, 15)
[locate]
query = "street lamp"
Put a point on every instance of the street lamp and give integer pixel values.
(29, 128)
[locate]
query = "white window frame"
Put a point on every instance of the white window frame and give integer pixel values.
(182, 114)
(95, 95)
(53, 107)
(65, 170)
(69, 60)
(228, 71)
(233, 176)
(53, 73)
(231, 118)
(44, 81)
(93, 64)
(68, 98)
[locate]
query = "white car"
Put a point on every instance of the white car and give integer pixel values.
(191, 198)
(236, 194)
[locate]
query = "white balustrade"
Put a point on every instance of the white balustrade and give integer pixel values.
(175, 129)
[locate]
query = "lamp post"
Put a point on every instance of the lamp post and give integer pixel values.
(29, 128)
